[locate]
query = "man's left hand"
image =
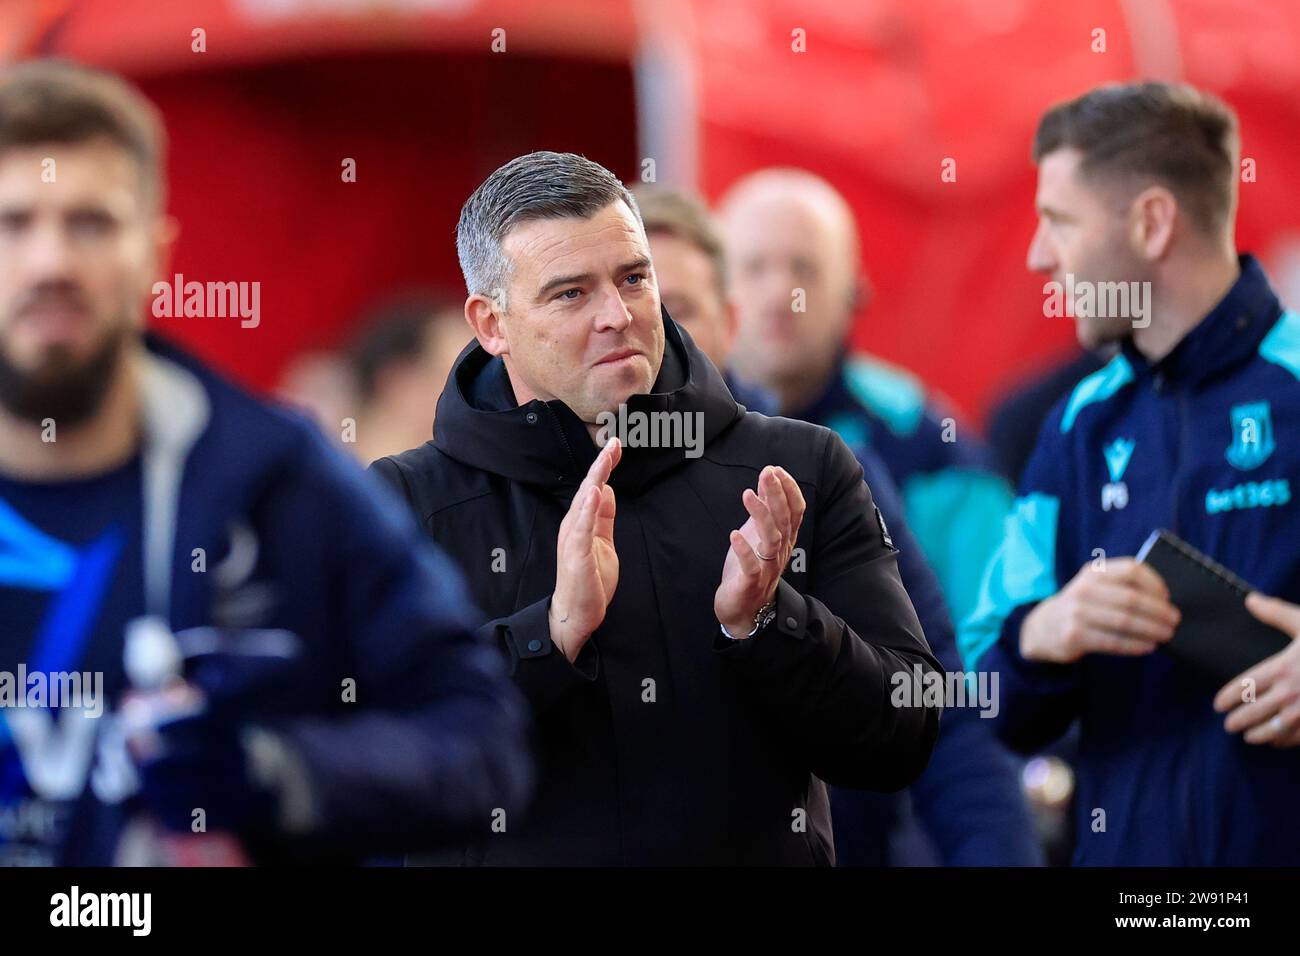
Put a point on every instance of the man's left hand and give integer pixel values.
(1272, 715)
(759, 551)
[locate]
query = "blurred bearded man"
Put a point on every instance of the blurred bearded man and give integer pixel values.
(161, 533)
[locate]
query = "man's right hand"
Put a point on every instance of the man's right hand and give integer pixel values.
(586, 564)
(1123, 609)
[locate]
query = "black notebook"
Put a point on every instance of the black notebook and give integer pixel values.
(1217, 635)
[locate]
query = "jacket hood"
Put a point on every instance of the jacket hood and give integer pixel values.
(545, 443)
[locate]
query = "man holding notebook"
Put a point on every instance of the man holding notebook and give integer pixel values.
(1193, 427)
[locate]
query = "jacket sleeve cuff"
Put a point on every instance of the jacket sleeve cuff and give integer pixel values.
(790, 623)
(277, 766)
(538, 667)
(1049, 676)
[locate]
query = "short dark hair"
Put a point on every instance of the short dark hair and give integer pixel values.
(540, 185)
(396, 330)
(671, 212)
(55, 101)
(1167, 133)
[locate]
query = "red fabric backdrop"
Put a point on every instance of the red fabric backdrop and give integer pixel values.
(885, 91)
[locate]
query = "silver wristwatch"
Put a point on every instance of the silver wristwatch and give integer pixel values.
(762, 618)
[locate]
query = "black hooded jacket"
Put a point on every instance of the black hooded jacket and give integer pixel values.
(667, 743)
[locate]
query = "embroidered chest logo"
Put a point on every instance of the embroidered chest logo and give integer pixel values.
(1252, 436)
(1252, 445)
(1114, 494)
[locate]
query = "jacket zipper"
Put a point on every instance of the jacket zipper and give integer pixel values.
(1180, 458)
(559, 430)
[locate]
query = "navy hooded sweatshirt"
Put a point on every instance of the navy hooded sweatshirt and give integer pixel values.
(239, 527)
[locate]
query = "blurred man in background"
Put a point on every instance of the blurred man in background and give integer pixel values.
(968, 802)
(792, 247)
(1193, 426)
(400, 360)
(688, 252)
(321, 384)
(302, 674)
(373, 399)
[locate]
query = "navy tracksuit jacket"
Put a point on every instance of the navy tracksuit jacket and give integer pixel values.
(1206, 443)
